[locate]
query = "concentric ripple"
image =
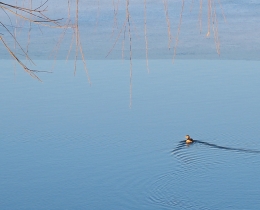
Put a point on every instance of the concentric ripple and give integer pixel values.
(200, 176)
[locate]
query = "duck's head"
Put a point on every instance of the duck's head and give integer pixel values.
(187, 137)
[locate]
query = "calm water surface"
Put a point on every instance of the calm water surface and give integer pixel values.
(67, 145)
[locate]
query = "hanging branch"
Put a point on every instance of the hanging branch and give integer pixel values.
(200, 15)
(29, 71)
(32, 16)
(78, 44)
(178, 32)
(165, 2)
(130, 49)
(145, 37)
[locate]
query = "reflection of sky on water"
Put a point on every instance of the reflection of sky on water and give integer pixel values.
(65, 144)
(239, 36)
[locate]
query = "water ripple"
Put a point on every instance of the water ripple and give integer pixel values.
(207, 154)
(167, 192)
(200, 167)
(183, 145)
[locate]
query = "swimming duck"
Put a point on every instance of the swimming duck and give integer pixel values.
(189, 140)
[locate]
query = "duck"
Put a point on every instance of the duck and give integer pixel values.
(188, 140)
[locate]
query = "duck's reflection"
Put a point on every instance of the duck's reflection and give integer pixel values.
(189, 141)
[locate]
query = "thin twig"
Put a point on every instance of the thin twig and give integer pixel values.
(130, 49)
(178, 32)
(30, 72)
(145, 37)
(165, 2)
(209, 17)
(200, 15)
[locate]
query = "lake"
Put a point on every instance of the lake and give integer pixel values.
(101, 31)
(66, 144)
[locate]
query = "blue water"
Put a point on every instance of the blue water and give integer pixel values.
(118, 143)
(100, 30)
(66, 144)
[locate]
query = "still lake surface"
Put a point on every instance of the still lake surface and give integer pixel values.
(67, 145)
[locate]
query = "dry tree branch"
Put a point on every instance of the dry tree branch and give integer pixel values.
(97, 15)
(71, 44)
(11, 24)
(209, 17)
(215, 28)
(130, 49)
(15, 35)
(78, 44)
(165, 2)
(67, 25)
(23, 8)
(84, 62)
(76, 35)
(29, 71)
(37, 16)
(32, 16)
(115, 25)
(222, 11)
(58, 44)
(29, 32)
(42, 6)
(145, 37)
(72, 38)
(14, 38)
(123, 43)
(115, 42)
(178, 32)
(35, 13)
(200, 15)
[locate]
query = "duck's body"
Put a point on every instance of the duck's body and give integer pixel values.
(188, 140)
